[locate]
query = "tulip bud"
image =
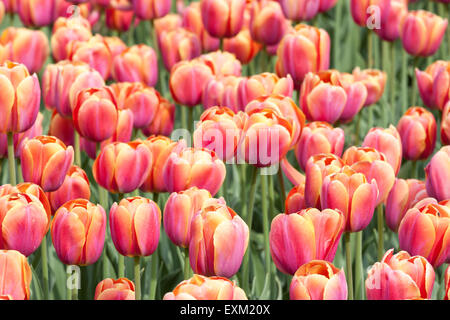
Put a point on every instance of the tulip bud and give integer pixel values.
(267, 23)
(374, 81)
(400, 277)
(389, 29)
(319, 137)
(178, 213)
(223, 256)
(445, 125)
(36, 13)
(425, 231)
(164, 120)
(151, 9)
(203, 288)
(318, 280)
(135, 224)
(120, 20)
(111, 289)
(179, 45)
(45, 161)
(422, 32)
(295, 200)
(116, 45)
(15, 275)
(223, 18)
(417, 129)
(122, 167)
(437, 174)
(434, 84)
(242, 46)
(222, 63)
(300, 9)
(298, 238)
(23, 222)
(20, 98)
(165, 24)
(78, 232)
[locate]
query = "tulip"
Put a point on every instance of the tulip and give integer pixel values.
(417, 129)
(434, 84)
(300, 9)
(121, 4)
(388, 142)
(222, 91)
(122, 167)
(116, 46)
(318, 280)
(374, 166)
(165, 24)
(203, 288)
(75, 186)
(187, 80)
(374, 81)
(445, 125)
(303, 49)
(437, 174)
(242, 46)
(295, 200)
(135, 224)
(219, 239)
(179, 45)
(222, 63)
(29, 47)
(403, 196)
(20, 100)
(316, 138)
(389, 29)
(45, 161)
(178, 213)
(151, 9)
(120, 20)
(447, 284)
(23, 222)
(317, 168)
(36, 13)
(15, 275)
(136, 64)
(362, 11)
(9, 5)
(326, 5)
(425, 231)
(111, 289)
(422, 32)
(223, 18)
(263, 84)
(189, 167)
(95, 113)
(78, 232)
(298, 238)
(400, 277)
(164, 120)
(219, 131)
(267, 23)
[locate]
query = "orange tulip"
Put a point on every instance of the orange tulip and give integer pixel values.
(434, 84)
(164, 119)
(222, 91)
(15, 275)
(222, 63)
(374, 81)
(111, 289)
(120, 20)
(295, 200)
(242, 46)
(165, 24)
(151, 9)
(267, 22)
(222, 18)
(179, 45)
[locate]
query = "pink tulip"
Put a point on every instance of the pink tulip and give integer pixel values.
(437, 174)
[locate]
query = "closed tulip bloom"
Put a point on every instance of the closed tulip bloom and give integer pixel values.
(403, 196)
(9, 5)
(263, 84)
(15, 279)
(400, 277)
(374, 81)
(445, 125)
(422, 32)
(164, 120)
(111, 289)
(151, 9)
(95, 113)
(136, 64)
(219, 131)
(434, 84)
(45, 161)
(303, 49)
(222, 63)
(165, 24)
(267, 24)
(317, 168)
(326, 5)
(29, 47)
(389, 29)
(300, 9)
(425, 231)
(319, 137)
(120, 20)
(179, 45)
(206, 288)
(223, 18)
(437, 174)
(23, 222)
(36, 13)
(78, 232)
(187, 80)
(222, 91)
(122, 167)
(178, 213)
(298, 238)
(193, 167)
(135, 224)
(88, 79)
(374, 166)
(417, 129)
(116, 45)
(121, 4)
(20, 100)
(351, 193)
(388, 142)
(219, 239)
(75, 186)
(242, 46)
(362, 10)
(295, 200)
(318, 280)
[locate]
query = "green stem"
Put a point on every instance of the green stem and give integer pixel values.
(76, 147)
(348, 263)
(282, 189)
(359, 277)
(187, 265)
(69, 291)
(191, 120)
(387, 67)
(44, 250)
(337, 34)
(404, 81)
(131, 32)
(104, 203)
(380, 218)
(154, 275)
(414, 82)
(121, 260)
(11, 159)
(358, 127)
(242, 181)
(137, 276)
(265, 218)
(414, 174)
(393, 79)
(370, 49)
(222, 41)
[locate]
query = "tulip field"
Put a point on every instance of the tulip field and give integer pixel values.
(224, 150)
